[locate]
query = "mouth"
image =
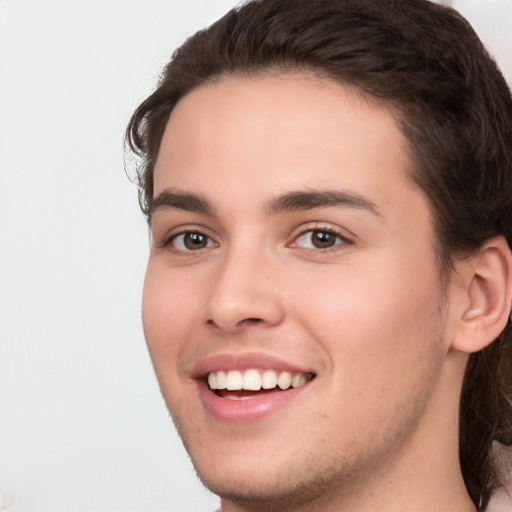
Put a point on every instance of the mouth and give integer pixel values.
(253, 382)
(249, 387)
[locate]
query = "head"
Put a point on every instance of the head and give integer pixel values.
(422, 67)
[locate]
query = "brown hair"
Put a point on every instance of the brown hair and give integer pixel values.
(454, 107)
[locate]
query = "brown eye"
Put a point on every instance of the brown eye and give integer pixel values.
(191, 241)
(320, 239)
(194, 241)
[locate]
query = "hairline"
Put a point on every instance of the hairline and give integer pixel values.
(444, 255)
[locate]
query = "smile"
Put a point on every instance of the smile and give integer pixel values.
(249, 387)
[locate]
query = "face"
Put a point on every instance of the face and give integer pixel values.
(292, 268)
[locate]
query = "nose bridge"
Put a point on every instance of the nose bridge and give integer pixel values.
(244, 292)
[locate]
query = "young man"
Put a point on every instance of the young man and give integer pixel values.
(327, 298)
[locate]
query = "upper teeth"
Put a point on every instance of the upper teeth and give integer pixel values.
(254, 380)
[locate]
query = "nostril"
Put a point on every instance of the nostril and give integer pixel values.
(250, 321)
(245, 321)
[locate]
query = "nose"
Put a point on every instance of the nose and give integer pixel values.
(244, 294)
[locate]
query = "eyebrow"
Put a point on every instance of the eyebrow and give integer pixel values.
(171, 199)
(308, 200)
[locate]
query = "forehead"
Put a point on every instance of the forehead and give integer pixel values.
(268, 134)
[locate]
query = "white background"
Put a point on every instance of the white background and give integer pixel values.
(82, 424)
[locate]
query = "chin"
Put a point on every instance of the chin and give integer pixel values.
(270, 490)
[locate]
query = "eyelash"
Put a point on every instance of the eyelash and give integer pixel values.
(170, 241)
(343, 240)
(340, 240)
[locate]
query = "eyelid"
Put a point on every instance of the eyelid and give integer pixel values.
(181, 247)
(322, 227)
(167, 239)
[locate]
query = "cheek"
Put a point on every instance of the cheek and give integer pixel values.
(385, 351)
(168, 305)
(376, 322)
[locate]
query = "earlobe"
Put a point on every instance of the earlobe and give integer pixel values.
(489, 296)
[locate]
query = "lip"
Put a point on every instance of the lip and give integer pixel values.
(246, 411)
(255, 408)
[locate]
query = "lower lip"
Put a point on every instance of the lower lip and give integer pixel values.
(249, 410)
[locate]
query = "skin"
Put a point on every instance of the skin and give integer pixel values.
(377, 427)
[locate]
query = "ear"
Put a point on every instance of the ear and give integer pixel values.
(484, 302)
